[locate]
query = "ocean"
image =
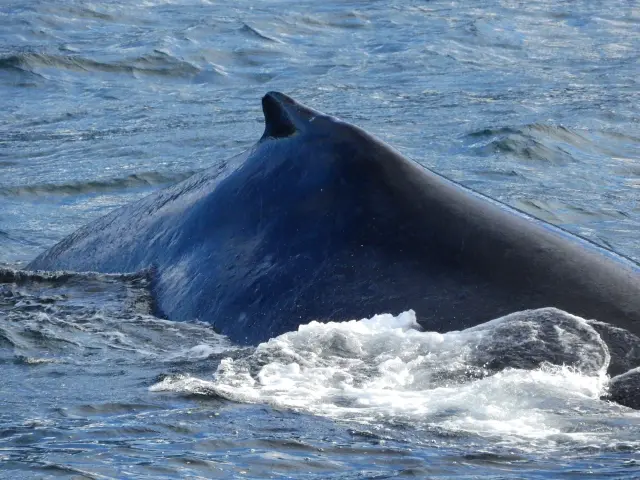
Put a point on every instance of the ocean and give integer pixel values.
(536, 104)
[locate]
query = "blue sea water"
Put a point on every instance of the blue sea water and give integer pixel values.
(534, 103)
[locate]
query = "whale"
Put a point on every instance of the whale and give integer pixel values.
(321, 221)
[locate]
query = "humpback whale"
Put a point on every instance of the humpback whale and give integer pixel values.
(320, 220)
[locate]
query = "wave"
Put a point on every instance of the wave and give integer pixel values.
(135, 180)
(255, 33)
(158, 63)
(551, 143)
(537, 142)
(54, 313)
(72, 317)
(20, 277)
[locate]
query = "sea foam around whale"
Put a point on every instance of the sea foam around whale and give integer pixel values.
(386, 370)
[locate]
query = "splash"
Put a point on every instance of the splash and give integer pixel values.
(517, 378)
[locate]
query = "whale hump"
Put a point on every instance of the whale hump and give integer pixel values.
(320, 220)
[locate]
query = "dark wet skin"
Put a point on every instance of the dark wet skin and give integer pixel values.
(321, 221)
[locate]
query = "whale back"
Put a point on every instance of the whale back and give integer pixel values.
(319, 220)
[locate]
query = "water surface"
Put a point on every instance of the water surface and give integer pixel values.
(536, 104)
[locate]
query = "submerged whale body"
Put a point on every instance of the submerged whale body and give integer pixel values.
(319, 220)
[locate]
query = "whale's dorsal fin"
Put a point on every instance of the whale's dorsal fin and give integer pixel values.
(283, 116)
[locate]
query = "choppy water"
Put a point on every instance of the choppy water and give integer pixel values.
(534, 103)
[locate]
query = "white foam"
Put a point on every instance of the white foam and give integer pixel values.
(384, 368)
(199, 352)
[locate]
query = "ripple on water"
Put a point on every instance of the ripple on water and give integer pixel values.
(135, 180)
(158, 63)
